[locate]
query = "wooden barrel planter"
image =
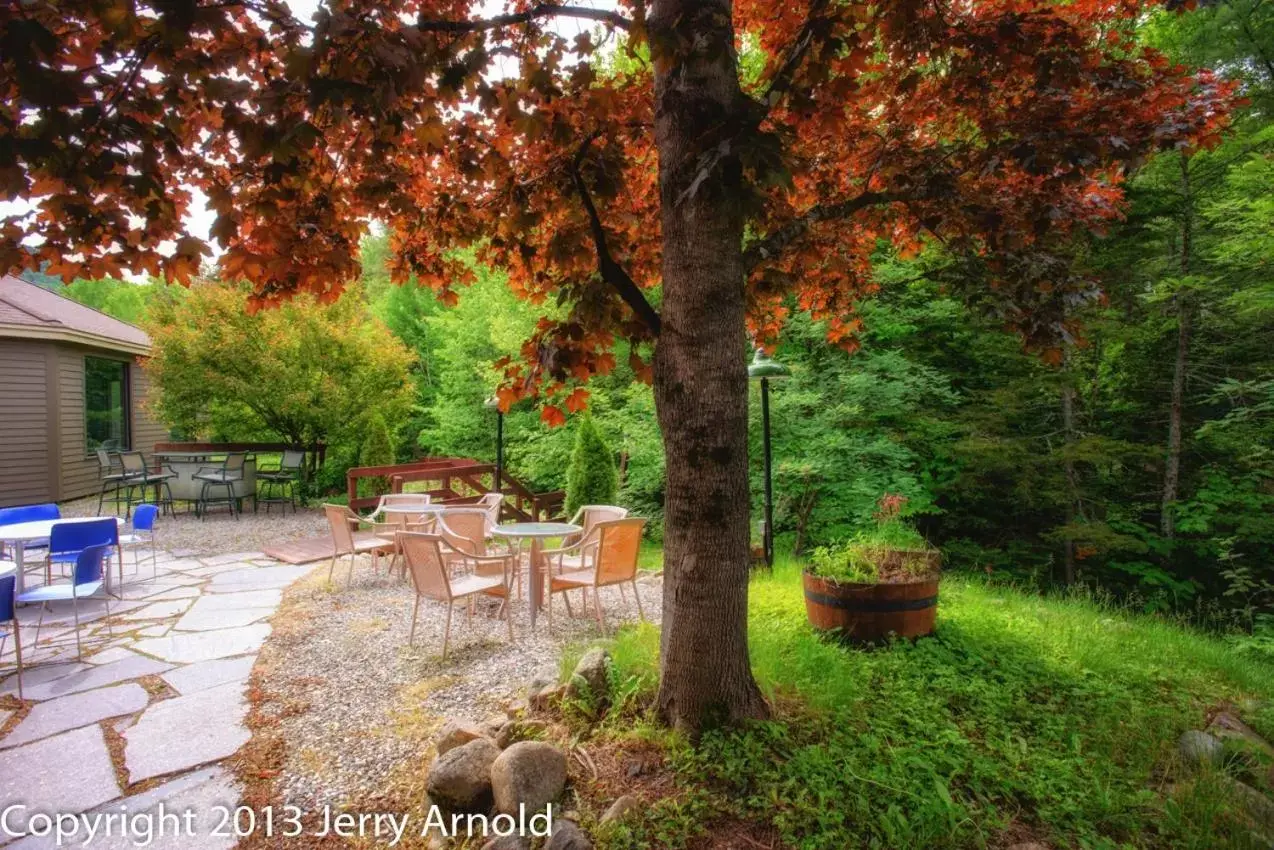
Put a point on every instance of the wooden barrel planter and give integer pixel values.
(870, 613)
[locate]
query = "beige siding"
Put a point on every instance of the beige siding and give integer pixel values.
(80, 472)
(26, 470)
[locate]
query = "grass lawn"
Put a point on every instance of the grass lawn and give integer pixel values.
(1023, 719)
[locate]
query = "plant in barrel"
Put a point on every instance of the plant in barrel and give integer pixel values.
(881, 582)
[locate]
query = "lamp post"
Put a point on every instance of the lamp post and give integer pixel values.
(494, 404)
(765, 369)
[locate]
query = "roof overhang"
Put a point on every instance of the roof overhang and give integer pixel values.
(74, 337)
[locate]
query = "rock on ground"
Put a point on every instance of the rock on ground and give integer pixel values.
(529, 772)
(456, 733)
(590, 677)
(620, 807)
(567, 836)
(460, 779)
(1199, 748)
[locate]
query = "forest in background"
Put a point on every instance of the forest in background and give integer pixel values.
(1139, 459)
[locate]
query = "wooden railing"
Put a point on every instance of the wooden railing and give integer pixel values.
(466, 483)
(387, 473)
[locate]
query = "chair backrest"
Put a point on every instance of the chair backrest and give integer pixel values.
(29, 513)
(105, 463)
(292, 460)
(491, 503)
(338, 517)
(423, 553)
(464, 529)
(618, 543)
(67, 537)
(234, 461)
(144, 517)
(403, 499)
(8, 590)
(132, 462)
(594, 514)
(88, 566)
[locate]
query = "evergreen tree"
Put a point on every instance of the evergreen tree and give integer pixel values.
(378, 450)
(592, 479)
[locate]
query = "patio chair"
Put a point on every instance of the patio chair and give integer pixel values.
(226, 475)
(68, 539)
(464, 531)
(396, 522)
(491, 503)
(86, 581)
(9, 618)
(29, 513)
(426, 562)
(137, 473)
(588, 516)
(614, 563)
(397, 499)
(348, 541)
(143, 532)
(279, 485)
(111, 473)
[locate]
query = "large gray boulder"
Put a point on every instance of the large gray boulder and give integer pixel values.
(1199, 748)
(528, 772)
(591, 677)
(460, 779)
(567, 836)
(456, 733)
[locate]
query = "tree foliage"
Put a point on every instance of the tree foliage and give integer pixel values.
(591, 479)
(306, 373)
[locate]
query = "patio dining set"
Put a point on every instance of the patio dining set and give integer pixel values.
(461, 552)
(79, 549)
(202, 479)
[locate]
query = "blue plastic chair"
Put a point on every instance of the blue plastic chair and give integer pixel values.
(29, 513)
(144, 517)
(68, 539)
(87, 579)
(9, 617)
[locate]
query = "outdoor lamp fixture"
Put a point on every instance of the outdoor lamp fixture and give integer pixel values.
(766, 369)
(493, 403)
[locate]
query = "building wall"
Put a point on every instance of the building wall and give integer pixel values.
(80, 473)
(27, 470)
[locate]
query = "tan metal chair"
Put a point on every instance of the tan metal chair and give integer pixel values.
(491, 503)
(347, 540)
(396, 499)
(614, 563)
(426, 556)
(588, 516)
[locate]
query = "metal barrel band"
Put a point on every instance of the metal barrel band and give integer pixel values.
(872, 606)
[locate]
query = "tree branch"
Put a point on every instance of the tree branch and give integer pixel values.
(540, 10)
(774, 244)
(782, 80)
(611, 271)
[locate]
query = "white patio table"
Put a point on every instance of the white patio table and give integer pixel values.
(536, 532)
(19, 534)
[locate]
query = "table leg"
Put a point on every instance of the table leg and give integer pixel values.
(537, 581)
(19, 582)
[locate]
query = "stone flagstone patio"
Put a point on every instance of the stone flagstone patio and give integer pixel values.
(155, 706)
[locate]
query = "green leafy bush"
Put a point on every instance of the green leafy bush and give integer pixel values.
(378, 450)
(592, 479)
(892, 550)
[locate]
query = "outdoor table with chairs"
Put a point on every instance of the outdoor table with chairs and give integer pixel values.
(445, 552)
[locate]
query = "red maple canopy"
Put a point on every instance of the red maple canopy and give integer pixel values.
(990, 125)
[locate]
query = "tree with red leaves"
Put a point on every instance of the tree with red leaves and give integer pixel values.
(663, 199)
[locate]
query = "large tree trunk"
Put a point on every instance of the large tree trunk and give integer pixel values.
(700, 374)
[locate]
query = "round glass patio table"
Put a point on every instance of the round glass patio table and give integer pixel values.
(536, 532)
(19, 534)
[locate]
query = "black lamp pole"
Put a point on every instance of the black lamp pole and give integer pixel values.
(499, 443)
(765, 368)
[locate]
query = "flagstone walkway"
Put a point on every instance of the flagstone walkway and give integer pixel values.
(156, 705)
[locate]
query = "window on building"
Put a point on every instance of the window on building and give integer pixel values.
(106, 403)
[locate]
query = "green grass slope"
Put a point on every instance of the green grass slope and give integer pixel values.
(1023, 719)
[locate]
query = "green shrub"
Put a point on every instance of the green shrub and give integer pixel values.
(891, 550)
(592, 478)
(378, 450)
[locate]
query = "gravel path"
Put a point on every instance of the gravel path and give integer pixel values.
(187, 535)
(356, 707)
